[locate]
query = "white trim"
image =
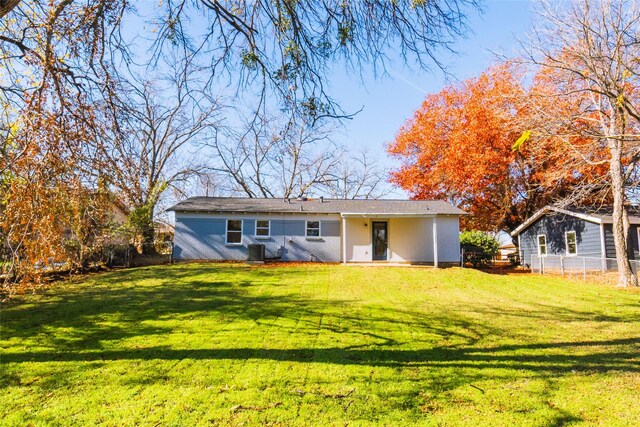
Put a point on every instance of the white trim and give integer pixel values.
(520, 251)
(566, 242)
(306, 229)
(393, 215)
(344, 240)
(546, 245)
(435, 243)
(263, 236)
(226, 232)
(603, 248)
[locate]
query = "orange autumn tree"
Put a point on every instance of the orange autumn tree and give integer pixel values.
(459, 146)
(52, 210)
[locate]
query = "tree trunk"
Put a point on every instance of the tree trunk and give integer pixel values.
(148, 237)
(626, 278)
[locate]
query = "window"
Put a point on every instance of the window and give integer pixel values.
(570, 239)
(313, 228)
(542, 245)
(262, 228)
(234, 231)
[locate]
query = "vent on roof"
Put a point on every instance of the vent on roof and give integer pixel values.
(302, 199)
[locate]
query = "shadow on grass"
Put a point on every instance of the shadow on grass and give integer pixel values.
(530, 357)
(73, 326)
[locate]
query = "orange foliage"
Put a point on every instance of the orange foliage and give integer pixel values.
(50, 212)
(459, 146)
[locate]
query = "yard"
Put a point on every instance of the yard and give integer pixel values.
(227, 344)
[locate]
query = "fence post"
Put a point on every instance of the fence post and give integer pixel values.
(541, 265)
(584, 269)
(561, 265)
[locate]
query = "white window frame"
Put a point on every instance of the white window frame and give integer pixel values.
(546, 245)
(306, 229)
(566, 242)
(268, 228)
(226, 236)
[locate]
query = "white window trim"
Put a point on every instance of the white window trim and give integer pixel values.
(546, 244)
(226, 232)
(306, 229)
(263, 236)
(566, 242)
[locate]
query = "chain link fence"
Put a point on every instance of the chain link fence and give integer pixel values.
(576, 264)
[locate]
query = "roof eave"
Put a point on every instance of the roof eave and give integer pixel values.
(541, 212)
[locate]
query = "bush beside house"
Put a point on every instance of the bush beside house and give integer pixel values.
(479, 247)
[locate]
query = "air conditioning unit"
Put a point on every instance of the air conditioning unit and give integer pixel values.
(256, 253)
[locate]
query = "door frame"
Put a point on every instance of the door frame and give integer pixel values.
(386, 252)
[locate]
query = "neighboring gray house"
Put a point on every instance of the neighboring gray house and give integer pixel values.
(320, 229)
(573, 232)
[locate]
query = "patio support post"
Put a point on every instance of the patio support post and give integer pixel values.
(344, 240)
(603, 248)
(435, 243)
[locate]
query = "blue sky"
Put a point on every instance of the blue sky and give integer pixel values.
(389, 101)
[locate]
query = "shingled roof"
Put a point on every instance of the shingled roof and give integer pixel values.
(599, 215)
(316, 205)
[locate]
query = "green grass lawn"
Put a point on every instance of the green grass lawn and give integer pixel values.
(203, 344)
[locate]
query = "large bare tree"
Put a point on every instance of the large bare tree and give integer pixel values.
(588, 52)
(148, 143)
(274, 158)
(358, 175)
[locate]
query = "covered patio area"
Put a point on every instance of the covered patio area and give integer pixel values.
(397, 239)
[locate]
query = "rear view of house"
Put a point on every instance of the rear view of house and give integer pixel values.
(325, 230)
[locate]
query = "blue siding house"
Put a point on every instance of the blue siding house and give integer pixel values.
(572, 232)
(324, 230)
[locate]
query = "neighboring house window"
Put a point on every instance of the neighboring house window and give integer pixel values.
(572, 245)
(313, 228)
(234, 231)
(542, 245)
(262, 228)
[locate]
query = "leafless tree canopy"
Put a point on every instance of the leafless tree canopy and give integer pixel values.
(146, 146)
(276, 158)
